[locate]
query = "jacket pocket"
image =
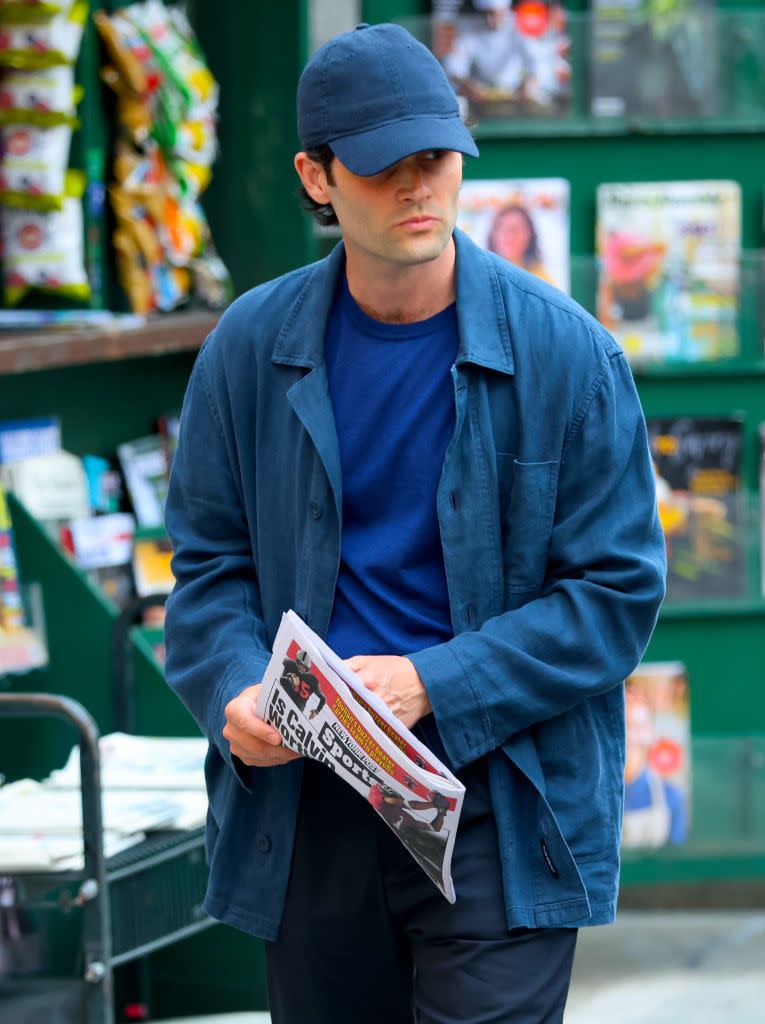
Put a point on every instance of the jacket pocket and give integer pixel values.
(527, 523)
(583, 771)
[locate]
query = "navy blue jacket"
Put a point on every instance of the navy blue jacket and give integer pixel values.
(554, 560)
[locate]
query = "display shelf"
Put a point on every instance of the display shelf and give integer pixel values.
(721, 368)
(727, 831)
(732, 608)
(727, 341)
(22, 352)
(586, 127)
(730, 41)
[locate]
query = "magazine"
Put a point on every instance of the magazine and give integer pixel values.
(652, 63)
(525, 220)
(504, 60)
(144, 466)
(698, 466)
(324, 711)
(19, 439)
(11, 610)
(151, 565)
(657, 776)
(668, 256)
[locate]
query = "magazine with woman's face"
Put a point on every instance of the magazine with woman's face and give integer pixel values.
(524, 220)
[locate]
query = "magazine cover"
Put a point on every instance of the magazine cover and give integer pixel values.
(151, 564)
(525, 220)
(668, 263)
(657, 772)
(19, 439)
(21, 648)
(323, 711)
(11, 611)
(654, 58)
(505, 58)
(147, 475)
(698, 466)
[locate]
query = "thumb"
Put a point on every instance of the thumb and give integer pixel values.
(357, 662)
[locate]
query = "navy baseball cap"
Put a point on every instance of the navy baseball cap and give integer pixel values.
(376, 95)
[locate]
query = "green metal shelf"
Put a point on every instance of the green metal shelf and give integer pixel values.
(719, 368)
(718, 609)
(599, 127)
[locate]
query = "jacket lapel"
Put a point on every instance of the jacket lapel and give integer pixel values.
(301, 343)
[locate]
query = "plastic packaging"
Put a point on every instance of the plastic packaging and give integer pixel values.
(44, 252)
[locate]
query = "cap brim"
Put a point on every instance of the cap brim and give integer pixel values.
(372, 151)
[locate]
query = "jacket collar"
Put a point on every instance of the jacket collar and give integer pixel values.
(481, 314)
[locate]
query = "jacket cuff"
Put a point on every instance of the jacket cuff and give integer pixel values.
(458, 707)
(237, 679)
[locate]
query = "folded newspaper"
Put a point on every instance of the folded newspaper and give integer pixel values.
(324, 711)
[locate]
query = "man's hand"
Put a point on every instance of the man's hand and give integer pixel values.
(252, 740)
(396, 681)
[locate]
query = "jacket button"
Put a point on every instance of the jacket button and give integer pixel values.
(315, 509)
(262, 842)
(453, 500)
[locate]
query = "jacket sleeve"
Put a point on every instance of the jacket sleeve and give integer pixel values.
(589, 625)
(214, 631)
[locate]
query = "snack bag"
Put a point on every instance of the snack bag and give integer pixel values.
(44, 252)
(128, 51)
(46, 44)
(42, 97)
(34, 163)
(31, 12)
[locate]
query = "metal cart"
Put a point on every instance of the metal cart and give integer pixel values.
(130, 905)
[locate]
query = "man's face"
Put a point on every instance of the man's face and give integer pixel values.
(404, 215)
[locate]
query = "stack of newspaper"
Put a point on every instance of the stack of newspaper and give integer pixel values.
(148, 783)
(324, 711)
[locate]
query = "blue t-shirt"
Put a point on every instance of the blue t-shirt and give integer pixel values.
(393, 399)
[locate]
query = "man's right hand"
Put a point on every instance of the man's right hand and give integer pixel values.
(251, 739)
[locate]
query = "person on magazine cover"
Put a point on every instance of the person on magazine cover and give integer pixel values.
(440, 463)
(393, 809)
(300, 683)
(438, 802)
(655, 811)
(507, 52)
(513, 236)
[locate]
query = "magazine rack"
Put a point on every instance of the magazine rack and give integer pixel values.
(137, 901)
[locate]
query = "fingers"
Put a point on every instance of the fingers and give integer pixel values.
(251, 739)
(240, 714)
(357, 663)
(257, 752)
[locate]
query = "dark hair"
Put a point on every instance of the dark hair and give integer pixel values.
(322, 212)
(532, 254)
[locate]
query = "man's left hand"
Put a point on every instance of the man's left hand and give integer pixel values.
(396, 681)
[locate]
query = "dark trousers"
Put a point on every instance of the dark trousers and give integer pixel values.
(367, 938)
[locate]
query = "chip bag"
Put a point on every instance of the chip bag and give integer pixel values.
(44, 252)
(43, 97)
(33, 167)
(44, 45)
(29, 12)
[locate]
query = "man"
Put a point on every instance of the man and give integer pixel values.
(471, 521)
(300, 682)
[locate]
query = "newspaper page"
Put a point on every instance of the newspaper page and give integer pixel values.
(324, 711)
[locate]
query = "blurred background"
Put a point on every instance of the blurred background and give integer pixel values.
(146, 179)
